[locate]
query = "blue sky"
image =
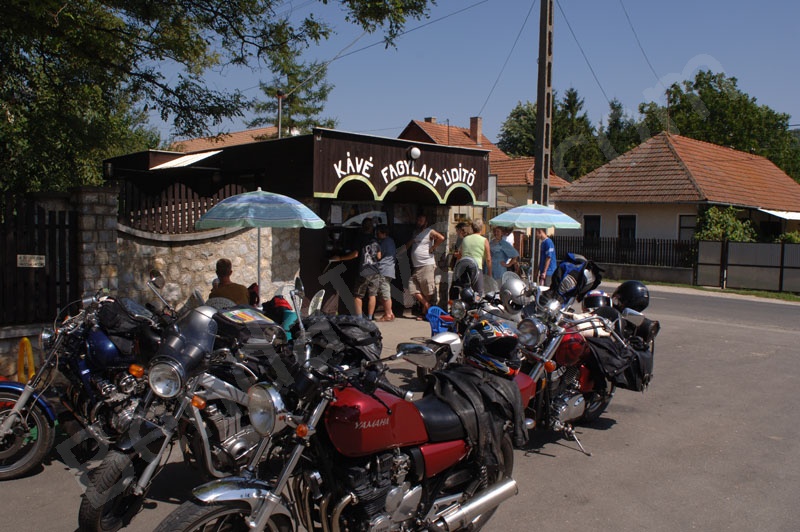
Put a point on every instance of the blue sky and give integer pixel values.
(452, 65)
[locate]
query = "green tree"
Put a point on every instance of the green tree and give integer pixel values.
(66, 68)
(517, 135)
(620, 134)
(304, 93)
(575, 150)
(713, 109)
(722, 224)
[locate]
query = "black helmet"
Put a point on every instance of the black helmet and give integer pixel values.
(631, 294)
(492, 346)
(595, 299)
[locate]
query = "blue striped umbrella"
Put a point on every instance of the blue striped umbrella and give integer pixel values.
(259, 209)
(534, 216)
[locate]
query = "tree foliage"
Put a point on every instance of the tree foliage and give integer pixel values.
(74, 74)
(723, 225)
(304, 93)
(713, 109)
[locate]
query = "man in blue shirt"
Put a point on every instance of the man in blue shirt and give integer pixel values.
(547, 257)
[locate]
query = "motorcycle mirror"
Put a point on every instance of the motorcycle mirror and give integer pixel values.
(417, 354)
(157, 278)
(298, 285)
(632, 316)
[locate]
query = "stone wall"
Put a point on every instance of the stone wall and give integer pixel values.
(119, 258)
(188, 261)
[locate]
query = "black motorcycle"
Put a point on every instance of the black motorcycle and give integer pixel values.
(99, 352)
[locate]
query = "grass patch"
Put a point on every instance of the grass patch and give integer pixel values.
(783, 296)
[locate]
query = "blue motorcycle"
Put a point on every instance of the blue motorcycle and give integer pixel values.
(94, 366)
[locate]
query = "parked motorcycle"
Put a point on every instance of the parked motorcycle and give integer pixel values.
(342, 450)
(579, 359)
(99, 351)
(196, 397)
(198, 382)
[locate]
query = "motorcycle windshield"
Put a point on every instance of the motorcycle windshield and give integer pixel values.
(199, 329)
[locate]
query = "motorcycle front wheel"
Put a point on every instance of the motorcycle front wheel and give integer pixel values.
(31, 439)
(109, 503)
(229, 516)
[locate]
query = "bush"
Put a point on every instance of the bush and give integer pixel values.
(789, 238)
(721, 225)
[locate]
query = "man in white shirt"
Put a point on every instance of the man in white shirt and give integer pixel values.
(422, 284)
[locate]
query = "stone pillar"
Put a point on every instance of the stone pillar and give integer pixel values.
(98, 261)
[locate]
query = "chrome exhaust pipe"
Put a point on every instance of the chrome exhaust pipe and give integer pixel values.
(481, 503)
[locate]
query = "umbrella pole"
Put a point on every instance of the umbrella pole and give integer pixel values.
(258, 259)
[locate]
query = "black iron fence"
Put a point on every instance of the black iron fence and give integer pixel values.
(642, 252)
(39, 261)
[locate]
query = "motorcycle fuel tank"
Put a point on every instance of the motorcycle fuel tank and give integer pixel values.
(359, 425)
(103, 353)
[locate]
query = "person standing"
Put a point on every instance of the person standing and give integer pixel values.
(369, 278)
(503, 254)
(422, 284)
(547, 257)
(386, 266)
(226, 288)
(476, 246)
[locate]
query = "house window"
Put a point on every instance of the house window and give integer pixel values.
(626, 228)
(687, 224)
(591, 227)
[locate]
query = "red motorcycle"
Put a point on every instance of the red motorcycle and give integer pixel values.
(343, 449)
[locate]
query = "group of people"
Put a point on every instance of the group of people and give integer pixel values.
(376, 252)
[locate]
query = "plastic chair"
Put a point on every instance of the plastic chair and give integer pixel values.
(439, 320)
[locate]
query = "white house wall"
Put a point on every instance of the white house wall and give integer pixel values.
(652, 221)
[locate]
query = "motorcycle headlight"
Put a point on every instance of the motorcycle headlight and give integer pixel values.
(165, 378)
(266, 409)
(531, 332)
(459, 309)
(46, 338)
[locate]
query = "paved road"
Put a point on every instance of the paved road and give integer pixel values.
(714, 444)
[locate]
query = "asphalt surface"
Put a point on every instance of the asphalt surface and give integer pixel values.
(713, 444)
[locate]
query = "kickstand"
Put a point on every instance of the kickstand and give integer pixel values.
(569, 430)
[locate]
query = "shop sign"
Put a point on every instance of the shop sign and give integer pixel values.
(30, 261)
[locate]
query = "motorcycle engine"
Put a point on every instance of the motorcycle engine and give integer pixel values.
(385, 499)
(568, 403)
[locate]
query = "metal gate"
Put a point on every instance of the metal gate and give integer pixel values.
(39, 261)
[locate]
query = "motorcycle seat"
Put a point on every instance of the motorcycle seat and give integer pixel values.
(441, 421)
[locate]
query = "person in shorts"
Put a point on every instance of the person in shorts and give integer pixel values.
(422, 284)
(386, 266)
(368, 284)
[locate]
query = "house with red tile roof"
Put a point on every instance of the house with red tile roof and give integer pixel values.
(514, 174)
(224, 140)
(657, 189)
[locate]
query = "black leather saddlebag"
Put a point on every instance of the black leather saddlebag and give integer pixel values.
(624, 366)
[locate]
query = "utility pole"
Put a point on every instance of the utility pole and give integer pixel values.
(544, 107)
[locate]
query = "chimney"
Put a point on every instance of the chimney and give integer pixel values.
(430, 119)
(476, 129)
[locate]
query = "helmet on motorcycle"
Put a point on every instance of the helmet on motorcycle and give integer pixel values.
(512, 293)
(595, 299)
(631, 294)
(492, 346)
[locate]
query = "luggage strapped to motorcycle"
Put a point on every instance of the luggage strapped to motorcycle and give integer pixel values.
(624, 366)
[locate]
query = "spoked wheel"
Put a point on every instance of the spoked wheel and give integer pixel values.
(109, 503)
(500, 472)
(219, 517)
(31, 438)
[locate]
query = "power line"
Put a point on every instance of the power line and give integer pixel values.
(583, 53)
(639, 43)
(508, 57)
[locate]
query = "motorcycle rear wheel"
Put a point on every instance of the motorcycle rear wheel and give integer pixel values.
(108, 503)
(596, 403)
(226, 516)
(31, 440)
(502, 471)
